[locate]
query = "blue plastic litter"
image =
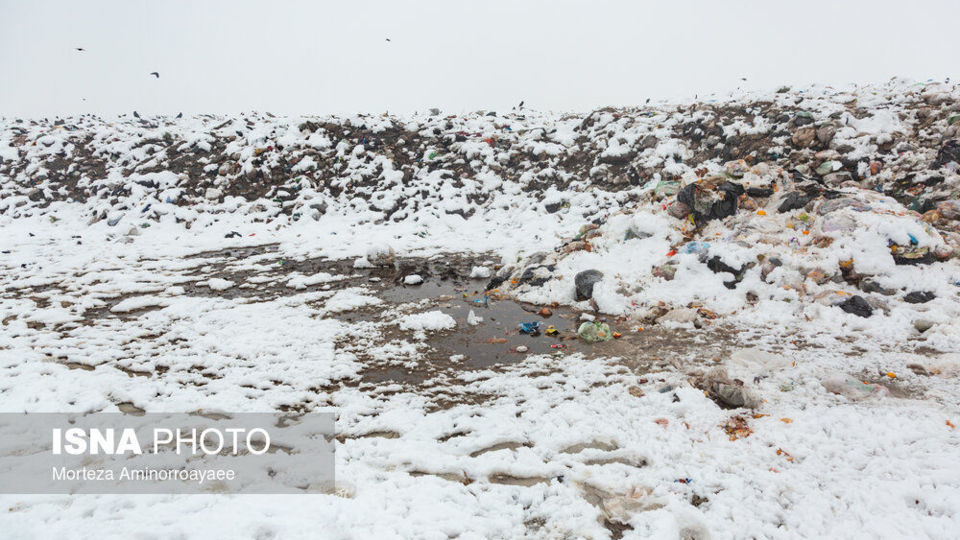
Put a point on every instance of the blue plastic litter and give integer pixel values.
(696, 247)
(532, 328)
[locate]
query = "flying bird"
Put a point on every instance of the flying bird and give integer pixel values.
(180, 115)
(388, 39)
(155, 74)
(81, 49)
(136, 114)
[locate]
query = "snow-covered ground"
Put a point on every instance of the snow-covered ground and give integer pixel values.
(288, 301)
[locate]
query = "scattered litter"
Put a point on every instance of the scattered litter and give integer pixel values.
(529, 328)
(853, 388)
(592, 332)
(473, 319)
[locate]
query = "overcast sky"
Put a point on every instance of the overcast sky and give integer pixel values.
(334, 57)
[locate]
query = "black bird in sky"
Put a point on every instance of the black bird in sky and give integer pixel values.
(180, 115)
(521, 104)
(81, 49)
(136, 114)
(155, 74)
(388, 39)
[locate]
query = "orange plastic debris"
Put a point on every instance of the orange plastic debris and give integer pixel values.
(787, 420)
(949, 423)
(761, 213)
(782, 452)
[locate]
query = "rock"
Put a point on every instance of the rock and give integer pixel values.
(857, 306)
(412, 279)
(803, 137)
(213, 194)
(584, 282)
(918, 297)
(545, 312)
(922, 325)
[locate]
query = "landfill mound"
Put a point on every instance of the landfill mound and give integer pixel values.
(819, 205)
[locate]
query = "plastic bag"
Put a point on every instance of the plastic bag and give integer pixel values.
(852, 388)
(592, 332)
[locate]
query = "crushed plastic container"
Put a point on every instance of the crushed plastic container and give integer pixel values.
(592, 332)
(531, 328)
(852, 388)
(696, 247)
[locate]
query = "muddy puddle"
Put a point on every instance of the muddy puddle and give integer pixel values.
(497, 341)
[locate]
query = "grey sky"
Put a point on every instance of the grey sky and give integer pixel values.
(333, 57)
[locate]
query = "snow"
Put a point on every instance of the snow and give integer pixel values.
(219, 284)
(546, 446)
(480, 272)
(139, 302)
(431, 320)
